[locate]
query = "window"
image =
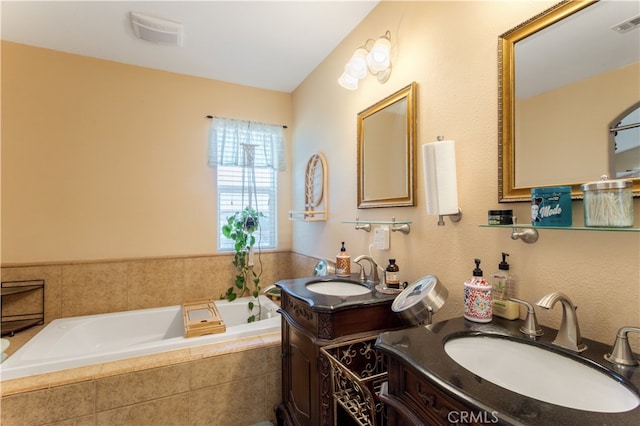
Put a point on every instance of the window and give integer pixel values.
(230, 200)
(247, 157)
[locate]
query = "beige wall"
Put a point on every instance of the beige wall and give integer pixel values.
(566, 119)
(450, 50)
(102, 160)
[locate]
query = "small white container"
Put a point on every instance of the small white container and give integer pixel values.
(608, 203)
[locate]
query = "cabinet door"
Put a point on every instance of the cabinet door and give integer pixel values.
(302, 397)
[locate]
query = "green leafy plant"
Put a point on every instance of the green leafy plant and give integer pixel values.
(240, 228)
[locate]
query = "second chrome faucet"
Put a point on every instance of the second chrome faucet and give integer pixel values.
(568, 336)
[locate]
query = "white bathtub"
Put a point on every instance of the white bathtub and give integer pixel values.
(93, 339)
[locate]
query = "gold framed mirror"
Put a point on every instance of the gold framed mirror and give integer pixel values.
(386, 151)
(556, 104)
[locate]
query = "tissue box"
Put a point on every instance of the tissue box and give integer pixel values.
(551, 206)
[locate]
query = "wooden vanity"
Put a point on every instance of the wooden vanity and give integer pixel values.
(426, 387)
(309, 322)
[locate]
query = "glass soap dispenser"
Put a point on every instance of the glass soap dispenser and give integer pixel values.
(503, 288)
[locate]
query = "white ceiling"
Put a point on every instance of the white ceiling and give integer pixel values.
(266, 44)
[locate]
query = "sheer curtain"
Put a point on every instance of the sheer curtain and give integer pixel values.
(228, 137)
(249, 145)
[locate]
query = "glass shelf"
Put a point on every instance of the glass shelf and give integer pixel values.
(565, 228)
(379, 222)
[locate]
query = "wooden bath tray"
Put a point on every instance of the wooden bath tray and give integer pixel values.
(201, 317)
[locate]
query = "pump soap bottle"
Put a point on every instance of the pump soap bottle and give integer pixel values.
(503, 288)
(477, 296)
(343, 262)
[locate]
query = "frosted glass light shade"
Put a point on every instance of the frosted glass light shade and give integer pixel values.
(379, 58)
(347, 80)
(358, 63)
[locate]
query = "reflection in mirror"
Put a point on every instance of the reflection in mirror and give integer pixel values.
(564, 76)
(386, 151)
(625, 142)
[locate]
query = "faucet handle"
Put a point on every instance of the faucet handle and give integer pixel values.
(530, 326)
(621, 352)
(363, 276)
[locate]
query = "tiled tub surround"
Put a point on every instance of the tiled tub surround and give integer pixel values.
(88, 288)
(192, 386)
(232, 383)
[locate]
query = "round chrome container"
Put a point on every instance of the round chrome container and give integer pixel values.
(420, 300)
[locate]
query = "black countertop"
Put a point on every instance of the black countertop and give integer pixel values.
(325, 303)
(422, 348)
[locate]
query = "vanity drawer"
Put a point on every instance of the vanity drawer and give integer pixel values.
(425, 401)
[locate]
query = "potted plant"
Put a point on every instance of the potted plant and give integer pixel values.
(240, 228)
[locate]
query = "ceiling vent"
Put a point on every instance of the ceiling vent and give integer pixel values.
(156, 30)
(627, 25)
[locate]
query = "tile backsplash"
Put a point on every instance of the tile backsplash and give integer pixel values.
(109, 286)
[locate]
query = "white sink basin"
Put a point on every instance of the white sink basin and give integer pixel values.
(338, 288)
(541, 374)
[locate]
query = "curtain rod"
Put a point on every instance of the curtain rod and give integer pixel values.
(625, 127)
(269, 124)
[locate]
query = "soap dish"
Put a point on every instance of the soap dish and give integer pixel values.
(388, 290)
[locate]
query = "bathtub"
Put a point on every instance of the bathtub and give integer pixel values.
(93, 339)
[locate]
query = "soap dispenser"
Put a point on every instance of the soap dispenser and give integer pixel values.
(477, 296)
(343, 262)
(503, 287)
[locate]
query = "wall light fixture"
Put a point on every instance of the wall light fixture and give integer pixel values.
(374, 57)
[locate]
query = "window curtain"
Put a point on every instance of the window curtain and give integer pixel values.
(228, 139)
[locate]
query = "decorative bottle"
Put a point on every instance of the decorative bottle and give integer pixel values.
(392, 275)
(477, 296)
(343, 262)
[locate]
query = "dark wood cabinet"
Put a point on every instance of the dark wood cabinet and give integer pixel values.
(412, 400)
(308, 325)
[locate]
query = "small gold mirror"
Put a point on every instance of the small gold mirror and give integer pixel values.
(386, 151)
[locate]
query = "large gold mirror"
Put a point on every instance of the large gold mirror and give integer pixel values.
(565, 75)
(386, 151)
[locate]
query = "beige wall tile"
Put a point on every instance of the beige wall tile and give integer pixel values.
(227, 368)
(100, 287)
(49, 405)
(238, 403)
(273, 390)
(128, 389)
(302, 266)
(78, 421)
(94, 288)
(155, 282)
(207, 277)
(173, 410)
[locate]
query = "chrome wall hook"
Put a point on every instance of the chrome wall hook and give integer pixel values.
(404, 228)
(527, 235)
(364, 226)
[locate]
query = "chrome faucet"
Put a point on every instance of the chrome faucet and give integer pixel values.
(530, 326)
(373, 277)
(621, 352)
(568, 336)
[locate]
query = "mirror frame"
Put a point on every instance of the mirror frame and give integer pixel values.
(408, 93)
(507, 191)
